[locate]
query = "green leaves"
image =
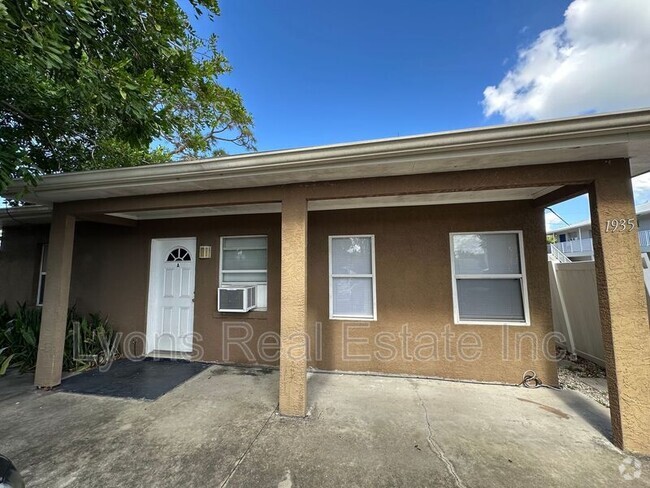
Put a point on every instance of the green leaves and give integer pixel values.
(104, 83)
(5, 362)
(18, 336)
(19, 332)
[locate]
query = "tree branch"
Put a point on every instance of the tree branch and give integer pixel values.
(19, 112)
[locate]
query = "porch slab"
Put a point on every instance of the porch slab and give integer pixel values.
(146, 380)
(221, 428)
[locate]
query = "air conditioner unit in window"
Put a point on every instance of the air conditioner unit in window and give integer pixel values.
(236, 299)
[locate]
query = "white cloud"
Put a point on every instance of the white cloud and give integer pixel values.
(641, 186)
(597, 60)
(552, 221)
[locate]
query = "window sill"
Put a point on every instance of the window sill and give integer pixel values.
(355, 319)
(498, 324)
(252, 315)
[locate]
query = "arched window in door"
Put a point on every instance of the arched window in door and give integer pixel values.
(179, 254)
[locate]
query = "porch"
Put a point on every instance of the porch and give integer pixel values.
(221, 428)
(528, 166)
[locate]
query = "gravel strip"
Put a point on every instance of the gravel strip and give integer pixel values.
(571, 373)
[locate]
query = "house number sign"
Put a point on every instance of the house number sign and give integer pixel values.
(620, 225)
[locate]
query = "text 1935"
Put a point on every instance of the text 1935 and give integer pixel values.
(620, 225)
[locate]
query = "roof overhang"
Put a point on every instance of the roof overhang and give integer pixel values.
(481, 196)
(36, 214)
(567, 228)
(608, 136)
(32, 214)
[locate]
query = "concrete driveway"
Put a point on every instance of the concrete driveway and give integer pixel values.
(220, 428)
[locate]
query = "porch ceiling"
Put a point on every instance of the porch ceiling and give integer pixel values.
(347, 203)
(608, 136)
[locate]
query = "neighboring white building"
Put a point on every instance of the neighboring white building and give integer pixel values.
(575, 241)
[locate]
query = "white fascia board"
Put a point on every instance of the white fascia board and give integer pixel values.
(604, 136)
(567, 228)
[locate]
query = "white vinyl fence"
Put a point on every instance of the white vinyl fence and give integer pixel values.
(574, 301)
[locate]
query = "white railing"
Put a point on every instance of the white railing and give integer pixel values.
(586, 246)
(557, 255)
(644, 238)
(579, 245)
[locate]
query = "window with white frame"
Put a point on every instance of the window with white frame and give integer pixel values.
(352, 277)
(243, 262)
(41, 276)
(489, 278)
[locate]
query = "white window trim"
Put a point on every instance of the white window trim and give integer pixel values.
(373, 276)
(41, 273)
(521, 277)
(223, 283)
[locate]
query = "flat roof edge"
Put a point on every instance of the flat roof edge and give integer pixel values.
(519, 136)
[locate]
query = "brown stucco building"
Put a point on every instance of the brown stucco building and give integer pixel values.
(420, 255)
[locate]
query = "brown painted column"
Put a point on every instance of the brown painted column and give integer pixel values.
(293, 306)
(623, 308)
(49, 363)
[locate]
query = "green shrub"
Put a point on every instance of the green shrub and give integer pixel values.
(20, 336)
(95, 338)
(5, 354)
(19, 332)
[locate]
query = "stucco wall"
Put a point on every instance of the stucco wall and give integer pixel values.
(111, 275)
(20, 257)
(111, 272)
(414, 291)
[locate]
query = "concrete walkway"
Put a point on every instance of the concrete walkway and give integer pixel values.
(221, 429)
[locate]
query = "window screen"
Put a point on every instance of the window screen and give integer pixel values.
(489, 283)
(352, 277)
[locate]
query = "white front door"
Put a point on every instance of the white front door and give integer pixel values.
(170, 317)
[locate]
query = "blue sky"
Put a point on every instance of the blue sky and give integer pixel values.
(326, 72)
(314, 73)
(320, 73)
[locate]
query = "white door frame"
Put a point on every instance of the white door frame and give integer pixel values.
(159, 249)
